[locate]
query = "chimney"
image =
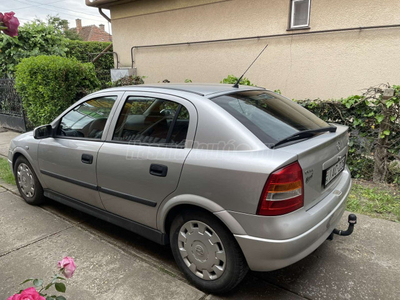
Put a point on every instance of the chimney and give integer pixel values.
(101, 27)
(78, 25)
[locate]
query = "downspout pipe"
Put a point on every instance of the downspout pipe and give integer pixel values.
(104, 15)
(109, 46)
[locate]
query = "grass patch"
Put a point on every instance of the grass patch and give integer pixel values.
(375, 200)
(5, 172)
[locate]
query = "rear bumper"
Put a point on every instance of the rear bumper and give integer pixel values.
(272, 254)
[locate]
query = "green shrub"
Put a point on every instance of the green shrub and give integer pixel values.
(231, 79)
(34, 38)
(50, 84)
(129, 80)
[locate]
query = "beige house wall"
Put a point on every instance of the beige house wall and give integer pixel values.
(326, 65)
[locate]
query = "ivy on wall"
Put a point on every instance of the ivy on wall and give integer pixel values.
(374, 128)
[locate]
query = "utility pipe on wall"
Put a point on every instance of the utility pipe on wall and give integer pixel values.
(260, 37)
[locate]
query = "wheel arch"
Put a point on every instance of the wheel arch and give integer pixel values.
(15, 157)
(21, 152)
(178, 204)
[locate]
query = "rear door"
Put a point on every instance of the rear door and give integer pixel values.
(141, 160)
(68, 161)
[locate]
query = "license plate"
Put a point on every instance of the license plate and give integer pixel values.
(332, 172)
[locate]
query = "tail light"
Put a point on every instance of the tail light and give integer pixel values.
(283, 192)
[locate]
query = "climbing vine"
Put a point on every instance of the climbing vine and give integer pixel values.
(374, 122)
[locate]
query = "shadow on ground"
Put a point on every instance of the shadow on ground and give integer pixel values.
(331, 271)
(252, 287)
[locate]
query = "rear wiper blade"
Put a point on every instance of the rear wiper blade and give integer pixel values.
(303, 134)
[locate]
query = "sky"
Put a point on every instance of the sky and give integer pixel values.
(27, 10)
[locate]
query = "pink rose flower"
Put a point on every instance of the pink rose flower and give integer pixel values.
(68, 264)
(28, 294)
(10, 22)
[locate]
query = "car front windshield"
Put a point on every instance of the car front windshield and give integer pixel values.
(268, 115)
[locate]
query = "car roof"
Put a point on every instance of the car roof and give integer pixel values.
(196, 88)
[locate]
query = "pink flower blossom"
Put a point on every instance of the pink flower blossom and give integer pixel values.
(28, 294)
(68, 266)
(10, 22)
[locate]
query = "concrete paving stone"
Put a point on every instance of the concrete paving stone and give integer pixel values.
(65, 212)
(153, 253)
(7, 136)
(4, 150)
(103, 271)
(252, 288)
(10, 187)
(5, 139)
(161, 256)
(22, 224)
(365, 265)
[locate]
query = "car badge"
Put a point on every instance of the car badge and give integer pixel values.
(309, 174)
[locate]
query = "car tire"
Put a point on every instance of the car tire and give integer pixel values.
(27, 182)
(206, 252)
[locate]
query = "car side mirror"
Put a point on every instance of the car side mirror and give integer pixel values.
(43, 132)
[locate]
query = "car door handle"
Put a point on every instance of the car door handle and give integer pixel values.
(158, 170)
(87, 158)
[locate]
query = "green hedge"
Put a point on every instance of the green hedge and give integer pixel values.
(50, 84)
(80, 51)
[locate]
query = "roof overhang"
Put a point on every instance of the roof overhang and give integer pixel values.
(106, 3)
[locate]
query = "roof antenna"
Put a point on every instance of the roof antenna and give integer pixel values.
(236, 85)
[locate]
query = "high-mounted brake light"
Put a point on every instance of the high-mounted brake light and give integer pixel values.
(283, 192)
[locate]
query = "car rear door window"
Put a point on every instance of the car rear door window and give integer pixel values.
(152, 121)
(88, 119)
(269, 116)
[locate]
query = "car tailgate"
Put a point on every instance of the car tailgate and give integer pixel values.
(316, 156)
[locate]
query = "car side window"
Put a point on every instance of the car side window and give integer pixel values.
(88, 119)
(152, 121)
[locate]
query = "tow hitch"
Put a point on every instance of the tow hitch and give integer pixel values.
(352, 221)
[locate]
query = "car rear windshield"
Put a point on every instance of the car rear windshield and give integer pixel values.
(268, 115)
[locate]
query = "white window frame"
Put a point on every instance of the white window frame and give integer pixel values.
(291, 26)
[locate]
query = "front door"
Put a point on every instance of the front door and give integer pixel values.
(68, 161)
(141, 160)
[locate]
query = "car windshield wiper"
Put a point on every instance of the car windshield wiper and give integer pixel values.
(303, 134)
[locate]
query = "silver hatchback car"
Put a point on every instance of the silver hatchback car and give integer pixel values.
(232, 178)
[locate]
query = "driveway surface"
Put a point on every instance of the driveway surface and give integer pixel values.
(113, 263)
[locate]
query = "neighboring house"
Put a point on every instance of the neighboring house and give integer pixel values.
(317, 48)
(92, 33)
